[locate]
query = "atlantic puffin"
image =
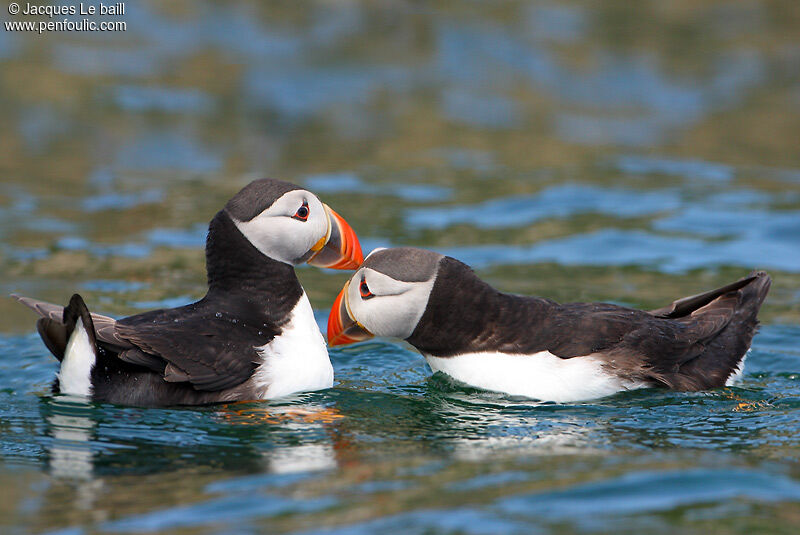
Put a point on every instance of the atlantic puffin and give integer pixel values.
(536, 348)
(253, 336)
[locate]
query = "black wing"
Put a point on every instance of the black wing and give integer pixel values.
(194, 344)
(694, 344)
(207, 348)
(104, 326)
(687, 305)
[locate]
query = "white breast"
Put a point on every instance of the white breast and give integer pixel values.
(297, 359)
(541, 376)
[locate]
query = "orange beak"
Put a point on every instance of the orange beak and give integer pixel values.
(339, 249)
(342, 328)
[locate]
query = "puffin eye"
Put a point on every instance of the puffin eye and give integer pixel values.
(302, 212)
(363, 289)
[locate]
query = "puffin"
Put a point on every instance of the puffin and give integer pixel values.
(537, 348)
(252, 337)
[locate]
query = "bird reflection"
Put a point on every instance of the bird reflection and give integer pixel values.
(303, 419)
(263, 437)
(72, 429)
(71, 457)
(105, 461)
(485, 425)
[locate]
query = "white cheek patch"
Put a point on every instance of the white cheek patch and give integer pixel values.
(278, 235)
(396, 307)
(382, 285)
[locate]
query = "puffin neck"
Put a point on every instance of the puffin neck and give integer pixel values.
(234, 265)
(465, 314)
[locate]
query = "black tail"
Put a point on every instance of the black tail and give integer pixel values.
(77, 309)
(55, 334)
(724, 351)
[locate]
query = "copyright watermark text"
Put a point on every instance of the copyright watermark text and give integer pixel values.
(105, 17)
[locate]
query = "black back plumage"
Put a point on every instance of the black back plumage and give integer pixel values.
(211, 343)
(199, 353)
(695, 343)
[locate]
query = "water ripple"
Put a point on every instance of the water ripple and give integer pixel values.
(669, 254)
(555, 202)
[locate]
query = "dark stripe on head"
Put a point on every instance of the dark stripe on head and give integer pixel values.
(256, 197)
(406, 264)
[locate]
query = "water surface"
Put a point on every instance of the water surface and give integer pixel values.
(632, 154)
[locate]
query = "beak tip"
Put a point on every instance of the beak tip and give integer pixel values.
(343, 250)
(354, 263)
(334, 341)
(342, 329)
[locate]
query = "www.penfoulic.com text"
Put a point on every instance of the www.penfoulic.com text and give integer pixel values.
(110, 12)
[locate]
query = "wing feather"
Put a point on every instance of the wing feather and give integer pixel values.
(104, 325)
(209, 352)
(687, 305)
(187, 344)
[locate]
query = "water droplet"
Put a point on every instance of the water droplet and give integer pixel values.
(260, 333)
(234, 320)
(218, 314)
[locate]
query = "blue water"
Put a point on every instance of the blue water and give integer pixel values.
(632, 154)
(445, 457)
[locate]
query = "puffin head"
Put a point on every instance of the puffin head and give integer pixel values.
(386, 296)
(291, 225)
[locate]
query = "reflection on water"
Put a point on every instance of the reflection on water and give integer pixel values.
(623, 152)
(666, 253)
(691, 169)
(556, 202)
(71, 427)
(333, 183)
(389, 436)
(70, 454)
(94, 451)
(643, 492)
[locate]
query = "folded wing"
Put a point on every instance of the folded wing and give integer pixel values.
(189, 344)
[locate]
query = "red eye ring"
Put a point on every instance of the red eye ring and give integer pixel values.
(302, 213)
(363, 289)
